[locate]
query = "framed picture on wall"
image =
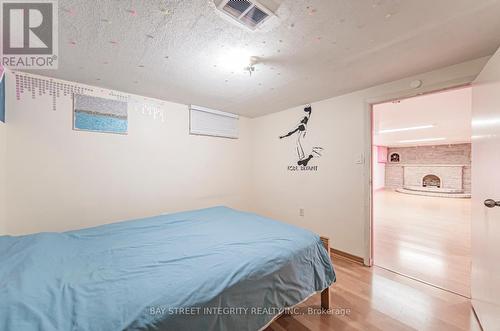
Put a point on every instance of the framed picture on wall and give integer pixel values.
(99, 114)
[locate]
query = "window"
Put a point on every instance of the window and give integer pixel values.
(209, 122)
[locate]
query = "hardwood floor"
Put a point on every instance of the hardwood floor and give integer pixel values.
(375, 299)
(424, 237)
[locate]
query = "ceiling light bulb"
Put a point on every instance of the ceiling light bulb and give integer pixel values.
(236, 59)
(411, 128)
(421, 140)
(486, 122)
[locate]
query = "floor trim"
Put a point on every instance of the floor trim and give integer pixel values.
(422, 281)
(348, 256)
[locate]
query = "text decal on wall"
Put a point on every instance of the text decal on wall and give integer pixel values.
(37, 86)
(300, 131)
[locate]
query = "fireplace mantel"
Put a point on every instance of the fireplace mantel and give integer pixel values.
(450, 175)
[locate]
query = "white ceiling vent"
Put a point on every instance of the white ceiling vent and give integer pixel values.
(249, 13)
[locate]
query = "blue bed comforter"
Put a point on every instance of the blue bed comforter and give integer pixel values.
(210, 269)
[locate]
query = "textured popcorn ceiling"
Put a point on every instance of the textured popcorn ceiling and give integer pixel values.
(174, 50)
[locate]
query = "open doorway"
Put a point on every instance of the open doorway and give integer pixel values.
(421, 172)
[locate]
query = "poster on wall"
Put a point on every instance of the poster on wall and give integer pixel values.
(2, 94)
(99, 114)
(304, 157)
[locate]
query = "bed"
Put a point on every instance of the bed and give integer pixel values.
(209, 269)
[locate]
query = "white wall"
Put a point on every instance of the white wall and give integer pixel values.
(60, 179)
(378, 167)
(3, 163)
(336, 198)
(485, 233)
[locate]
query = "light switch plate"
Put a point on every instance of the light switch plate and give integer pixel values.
(360, 158)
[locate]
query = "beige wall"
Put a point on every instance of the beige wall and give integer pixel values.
(60, 179)
(335, 198)
(3, 163)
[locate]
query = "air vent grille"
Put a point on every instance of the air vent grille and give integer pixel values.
(254, 16)
(237, 7)
(247, 12)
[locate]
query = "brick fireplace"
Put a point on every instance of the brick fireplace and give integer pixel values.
(445, 176)
(451, 164)
(431, 181)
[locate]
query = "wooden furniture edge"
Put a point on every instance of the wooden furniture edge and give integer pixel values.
(325, 294)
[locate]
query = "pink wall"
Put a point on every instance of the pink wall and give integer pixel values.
(379, 159)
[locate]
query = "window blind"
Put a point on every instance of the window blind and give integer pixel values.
(209, 122)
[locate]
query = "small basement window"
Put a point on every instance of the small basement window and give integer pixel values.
(210, 122)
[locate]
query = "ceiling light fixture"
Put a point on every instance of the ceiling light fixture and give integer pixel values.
(421, 140)
(251, 66)
(484, 136)
(486, 122)
(236, 60)
(411, 128)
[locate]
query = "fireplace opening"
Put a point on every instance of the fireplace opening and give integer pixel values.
(431, 181)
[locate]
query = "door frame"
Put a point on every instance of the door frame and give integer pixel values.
(447, 86)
